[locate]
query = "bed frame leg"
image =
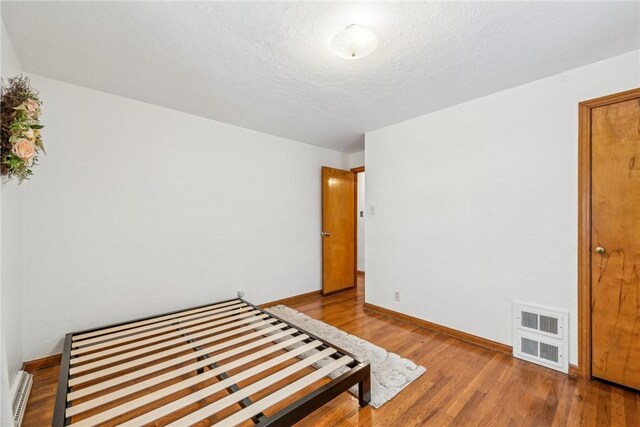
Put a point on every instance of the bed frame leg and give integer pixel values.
(364, 387)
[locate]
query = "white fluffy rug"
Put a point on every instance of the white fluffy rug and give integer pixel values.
(390, 373)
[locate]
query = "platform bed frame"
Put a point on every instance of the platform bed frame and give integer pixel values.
(114, 371)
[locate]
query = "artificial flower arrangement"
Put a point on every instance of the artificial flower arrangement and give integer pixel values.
(21, 141)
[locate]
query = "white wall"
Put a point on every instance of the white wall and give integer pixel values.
(476, 205)
(361, 220)
(138, 209)
(356, 159)
(11, 287)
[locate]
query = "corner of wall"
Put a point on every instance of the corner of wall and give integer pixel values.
(356, 159)
(9, 63)
(11, 253)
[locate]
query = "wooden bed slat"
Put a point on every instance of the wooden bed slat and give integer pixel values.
(259, 406)
(174, 388)
(232, 328)
(153, 326)
(106, 398)
(235, 397)
(124, 366)
(181, 339)
(85, 335)
(221, 404)
(154, 368)
(119, 341)
(122, 345)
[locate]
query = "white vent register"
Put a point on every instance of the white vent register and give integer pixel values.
(541, 335)
(20, 395)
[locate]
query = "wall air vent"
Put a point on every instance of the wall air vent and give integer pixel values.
(19, 395)
(529, 347)
(550, 352)
(540, 320)
(549, 325)
(529, 320)
(541, 335)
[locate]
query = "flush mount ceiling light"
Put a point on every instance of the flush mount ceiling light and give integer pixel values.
(354, 42)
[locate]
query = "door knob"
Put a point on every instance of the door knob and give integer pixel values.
(325, 234)
(600, 250)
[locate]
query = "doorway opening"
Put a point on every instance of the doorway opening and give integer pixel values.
(360, 223)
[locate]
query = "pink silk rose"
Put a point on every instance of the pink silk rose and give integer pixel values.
(24, 149)
(32, 106)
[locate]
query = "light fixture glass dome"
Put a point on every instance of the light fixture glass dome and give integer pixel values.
(354, 42)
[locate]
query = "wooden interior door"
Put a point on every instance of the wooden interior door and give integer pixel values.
(338, 230)
(615, 242)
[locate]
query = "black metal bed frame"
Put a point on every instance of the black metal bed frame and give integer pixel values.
(359, 373)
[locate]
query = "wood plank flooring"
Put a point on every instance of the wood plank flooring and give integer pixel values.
(465, 385)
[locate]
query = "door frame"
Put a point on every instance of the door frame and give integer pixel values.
(584, 223)
(355, 273)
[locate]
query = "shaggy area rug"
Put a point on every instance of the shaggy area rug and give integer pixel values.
(390, 373)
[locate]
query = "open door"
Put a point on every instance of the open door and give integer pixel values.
(338, 230)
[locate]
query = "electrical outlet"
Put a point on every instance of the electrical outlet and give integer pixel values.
(396, 296)
(372, 210)
(240, 293)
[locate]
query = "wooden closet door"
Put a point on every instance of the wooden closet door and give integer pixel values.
(615, 242)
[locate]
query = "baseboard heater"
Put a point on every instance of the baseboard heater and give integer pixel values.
(20, 395)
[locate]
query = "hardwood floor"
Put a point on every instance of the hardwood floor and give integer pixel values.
(465, 385)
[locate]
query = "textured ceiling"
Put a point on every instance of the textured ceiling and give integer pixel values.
(267, 66)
